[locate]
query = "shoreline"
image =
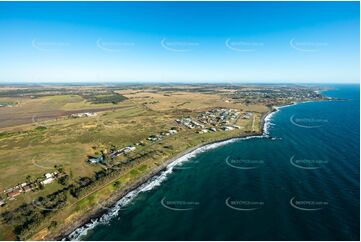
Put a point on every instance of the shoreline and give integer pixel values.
(86, 221)
(102, 209)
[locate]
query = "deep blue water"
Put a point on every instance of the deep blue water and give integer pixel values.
(304, 185)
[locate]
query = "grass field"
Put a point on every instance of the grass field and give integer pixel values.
(33, 146)
(29, 110)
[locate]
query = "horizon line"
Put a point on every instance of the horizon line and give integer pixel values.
(172, 82)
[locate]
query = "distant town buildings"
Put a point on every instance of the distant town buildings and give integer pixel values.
(227, 128)
(222, 118)
(273, 94)
(189, 123)
(246, 115)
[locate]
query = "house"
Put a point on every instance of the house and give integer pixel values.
(8, 190)
(121, 151)
(48, 175)
(13, 193)
(56, 174)
(27, 188)
(227, 128)
(95, 160)
(128, 149)
(116, 153)
(203, 131)
(85, 181)
(152, 138)
(246, 115)
(48, 179)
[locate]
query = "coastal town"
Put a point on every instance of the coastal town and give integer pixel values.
(218, 119)
(180, 120)
(107, 147)
(215, 119)
(273, 94)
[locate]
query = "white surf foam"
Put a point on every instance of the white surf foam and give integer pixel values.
(147, 186)
(267, 120)
(158, 179)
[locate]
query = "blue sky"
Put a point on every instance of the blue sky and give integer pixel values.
(179, 41)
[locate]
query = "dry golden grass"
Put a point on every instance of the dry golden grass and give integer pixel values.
(30, 110)
(166, 101)
(67, 141)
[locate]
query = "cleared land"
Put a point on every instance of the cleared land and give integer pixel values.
(30, 110)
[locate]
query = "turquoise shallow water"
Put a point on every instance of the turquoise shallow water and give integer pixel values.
(303, 185)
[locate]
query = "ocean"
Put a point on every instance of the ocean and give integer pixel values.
(301, 184)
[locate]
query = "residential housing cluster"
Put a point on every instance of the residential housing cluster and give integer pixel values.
(101, 159)
(12, 192)
(112, 154)
(274, 94)
(212, 120)
(162, 134)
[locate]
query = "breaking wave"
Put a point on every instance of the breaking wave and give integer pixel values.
(267, 120)
(147, 186)
(155, 181)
